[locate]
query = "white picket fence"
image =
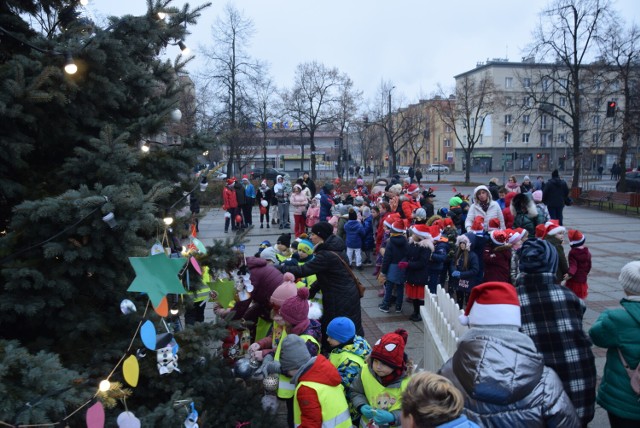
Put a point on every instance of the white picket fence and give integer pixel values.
(442, 329)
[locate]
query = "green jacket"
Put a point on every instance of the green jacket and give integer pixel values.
(619, 328)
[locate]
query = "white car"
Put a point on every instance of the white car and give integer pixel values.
(404, 170)
(436, 167)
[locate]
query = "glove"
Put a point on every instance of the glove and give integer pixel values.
(269, 366)
(366, 411)
(455, 274)
(403, 265)
(257, 355)
(383, 417)
(254, 347)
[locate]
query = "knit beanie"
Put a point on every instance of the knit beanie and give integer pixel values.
(537, 196)
(389, 349)
(323, 229)
(555, 174)
(492, 303)
(630, 278)
(284, 239)
(455, 201)
(269, 253)
(420, 214)
(538, 256)
(293, 353)
(284, 291)
(295, 310)
(341, 329)
(305, 246)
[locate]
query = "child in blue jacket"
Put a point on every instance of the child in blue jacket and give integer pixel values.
(354, 232)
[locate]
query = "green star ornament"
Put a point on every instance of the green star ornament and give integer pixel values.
(157, 276)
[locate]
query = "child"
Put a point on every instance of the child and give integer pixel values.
(464, 271)
(516, 238)
(579, 264)
(438, 257)
(354, 235)
(382, 233)
(368, 242)
(540, 206)
(431, 400)
(318, 397)
(348, 354)
(554, 234)
(376, 392)
(390, 274)
(282, 247)
(417, 266)
(497, 257)
(525, 213)
(455, 213)
(313, 212)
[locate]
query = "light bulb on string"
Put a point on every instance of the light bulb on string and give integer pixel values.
(145, 148)
(104, 386)
(162, 15)
(84, 2)
(70, 67)
(168, 221)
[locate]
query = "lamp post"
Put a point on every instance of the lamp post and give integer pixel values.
(504, 160)
(390, 134)
(347, 156)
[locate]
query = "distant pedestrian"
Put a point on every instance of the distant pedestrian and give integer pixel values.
(613, 169)
(539, 184)
(600, 171)
(512, 184)
(308, 181)
(391, 274)
(418, 176)
(555, 193)
(250, 199)
(230, 205)
(265, 198)
(411, 174)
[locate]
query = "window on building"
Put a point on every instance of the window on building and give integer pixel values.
(612, 138)
(562, 102)
(448, 129)
(595, 138)
(597, 102)
(508, 82)
(525, 137)
(508, 101)
(527, 102)
(563, 83)
(596, 120)
(562, 138)
(561, 118)
(507, 119)
(336, 143)
(544, 140)
(526, 82)
(447, 142)
(546, 85)
(526, 118)
(543, 122)
(507, 137)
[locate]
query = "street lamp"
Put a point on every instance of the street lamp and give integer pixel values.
(504, 160)
(390, 136)
(347, 161)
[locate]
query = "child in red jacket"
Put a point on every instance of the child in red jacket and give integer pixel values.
(579, 265)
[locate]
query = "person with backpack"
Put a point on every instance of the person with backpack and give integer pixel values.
(618, 330)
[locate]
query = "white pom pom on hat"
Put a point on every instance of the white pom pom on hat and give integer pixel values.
(492, 303)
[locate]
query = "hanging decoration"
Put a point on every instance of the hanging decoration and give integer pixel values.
(131, 370)
(95, 416)
(167, 360)
(128, 420)
(157, 276)
(192, 418)
(127, 307)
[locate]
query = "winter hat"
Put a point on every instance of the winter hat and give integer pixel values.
(421, 230)
(492, 303)
(448, 222)
(269, 253)
(576, 238)
(358, 200)
(322, 229)
(341, 329)
(420, 214)
(413, 188)
(366, 212)
(245, 177)
(555, 174)
(499, 237)
(538, 256)
(353, 215)
(526, 177)
(455, 201)
(293, 353)
(540, 230)
(388, 221)
(478, 225)
(630, 278)
(537, 196)
(516, 235)
(264, 244)
(428, 193)
(494, 223)
(305, 246)
(264, 184)
(463, 239)
(284, 291)
(230, 181)
(297, 186)
(398, 226)
(552, 227)
(508, 197)
(295, 310)
(359, 182)
(435, 232)
(284, 239)
(389, 349)
(442, 212)
(343, 209)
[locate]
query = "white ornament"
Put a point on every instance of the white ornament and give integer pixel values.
(128, 420)
(176, 115)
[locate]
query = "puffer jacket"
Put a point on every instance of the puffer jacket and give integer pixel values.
(475, 210)
(354, 232)
(554, 193)
(525, 214)
(368, 243)
(340, 296)
(438, 257)
(418, 255)
(394, 253)
(265, 279)
(619, 329)
(505, 383)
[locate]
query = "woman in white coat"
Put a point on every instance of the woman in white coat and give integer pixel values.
(484, 206)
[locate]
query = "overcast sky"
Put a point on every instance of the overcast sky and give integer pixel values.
(414, 44)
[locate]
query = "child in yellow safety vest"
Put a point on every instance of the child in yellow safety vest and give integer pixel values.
(377, 391)
(348, 354)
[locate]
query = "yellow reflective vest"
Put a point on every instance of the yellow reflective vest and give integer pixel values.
(335, 410)
(202, 292)
(285, 388)
(379, 396)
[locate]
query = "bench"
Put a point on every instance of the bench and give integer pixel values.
(598, 196)
(620, 198)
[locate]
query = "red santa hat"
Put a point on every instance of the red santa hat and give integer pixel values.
(494, 223)
(516, 235)
(576, 238)
(492, 303)
(398, 226)
(245, 177)
(448, 222)
(478, 225)
(435, 232)
(421, 230)
(552, 227)
(388, 221)
(541, 230)
(499, 237)
(413, 188)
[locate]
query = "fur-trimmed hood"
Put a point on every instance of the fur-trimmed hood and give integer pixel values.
(426, 242)
(521, 203)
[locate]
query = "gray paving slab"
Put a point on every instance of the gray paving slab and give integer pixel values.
(612, 238)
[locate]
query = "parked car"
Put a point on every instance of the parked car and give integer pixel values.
(633, 182)
(404, 170)
(434, 167)
(271, 174)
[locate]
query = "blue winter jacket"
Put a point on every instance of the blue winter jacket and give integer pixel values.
(369, 242)
(438, 257)
(394, 253)
(326, 203)
(354, 234)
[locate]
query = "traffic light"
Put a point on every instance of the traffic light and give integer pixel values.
(611, 108)
(386, 157)
(538, 155)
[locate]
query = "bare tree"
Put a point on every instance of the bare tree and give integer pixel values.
(313, 101)
(621, 50)
(348, 100)
(229, 70)
(566, 39)
(466, 112)
(264, 108)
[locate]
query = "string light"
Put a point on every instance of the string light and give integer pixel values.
(162, 15)
(70, 67)
(104, 386)
(168, 221)
(84, 2)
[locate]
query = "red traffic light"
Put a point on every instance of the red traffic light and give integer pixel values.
(386, 157)
(611, 108)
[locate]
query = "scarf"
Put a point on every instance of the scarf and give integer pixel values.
(484, 205)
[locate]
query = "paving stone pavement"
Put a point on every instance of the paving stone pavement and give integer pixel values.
(612, 238)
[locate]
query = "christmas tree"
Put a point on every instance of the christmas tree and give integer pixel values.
(69, 156)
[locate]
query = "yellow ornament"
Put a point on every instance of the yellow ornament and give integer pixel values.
(131, 370)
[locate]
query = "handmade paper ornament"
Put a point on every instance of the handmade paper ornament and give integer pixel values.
(199, 246)
(224, 292)
(95, 416)
(243, 286)
(157, 276)
(148, 335)
(238, 219)
(167, 360)
(192, 418)
(157, 248)
(163, 308)
(131, 370)
(127, 420)
(127, 307)
(196, 265)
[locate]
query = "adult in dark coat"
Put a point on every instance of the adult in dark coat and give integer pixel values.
(309, 182)
(418, 176)
(241, 198)
(493, 189)
(326, 201)
(411, 173)
(554, 194)
(340, 296)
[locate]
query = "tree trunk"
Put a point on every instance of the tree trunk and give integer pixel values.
(467, 170)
